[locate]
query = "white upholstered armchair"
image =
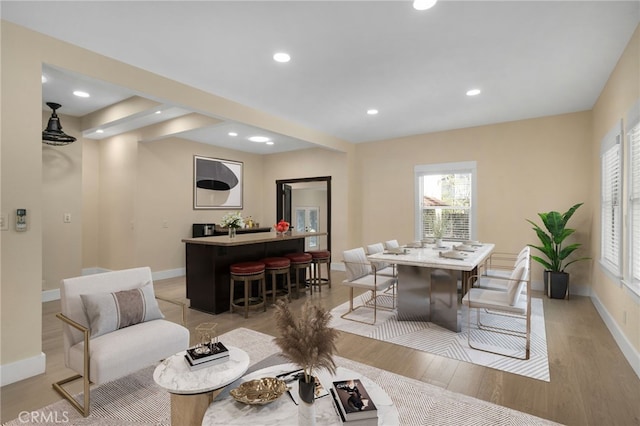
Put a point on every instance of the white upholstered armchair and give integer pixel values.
(113, 327)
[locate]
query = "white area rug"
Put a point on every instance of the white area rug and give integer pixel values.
(428, 337)
(137, 400)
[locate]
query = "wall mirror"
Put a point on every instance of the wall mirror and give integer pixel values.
(306, 204)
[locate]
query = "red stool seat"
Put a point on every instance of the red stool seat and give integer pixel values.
(276, 262)
(319, 254)
(299, 257)
(246, 268)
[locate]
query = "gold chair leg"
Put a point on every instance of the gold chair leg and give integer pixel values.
(85, 408)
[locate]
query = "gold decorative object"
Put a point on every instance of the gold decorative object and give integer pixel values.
(259, 391)
(207, 335)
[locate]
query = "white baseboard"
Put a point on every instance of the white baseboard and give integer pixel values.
(49, 295)
(575, 290)
(628, 350)
(23, 369)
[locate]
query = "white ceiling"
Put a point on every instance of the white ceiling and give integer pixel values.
(529, 58)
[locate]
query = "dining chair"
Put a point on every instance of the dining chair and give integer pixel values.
(498, 269)
(361, 274)
(391, 244)
(511, 306)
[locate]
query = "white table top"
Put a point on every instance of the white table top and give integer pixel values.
(227, 411)
(429, 257)
(174, 375)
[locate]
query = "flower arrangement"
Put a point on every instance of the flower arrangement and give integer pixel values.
(232, 220)
(307, 341)
(282, 226)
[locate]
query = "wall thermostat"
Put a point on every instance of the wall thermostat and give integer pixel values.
(21, 220)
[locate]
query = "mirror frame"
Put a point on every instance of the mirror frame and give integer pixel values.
(280, 183)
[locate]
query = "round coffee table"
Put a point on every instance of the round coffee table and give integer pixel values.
(193, 391)
(226, 411)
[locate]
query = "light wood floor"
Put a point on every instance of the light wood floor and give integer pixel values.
(591, 381)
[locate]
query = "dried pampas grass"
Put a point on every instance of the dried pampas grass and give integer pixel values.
(307, 341)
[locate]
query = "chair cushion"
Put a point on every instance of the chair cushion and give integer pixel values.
(320, 254)
(108, 312)
(119, 353)
(355, 263)
(369, 282)
(516, 283)
(298, 257)
(246, 268)
(377, 248)
(391, 244)
(276, 262)
(492, 299)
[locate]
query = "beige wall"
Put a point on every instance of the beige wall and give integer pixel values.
(61, 194)
(523, 168)
(620, 93)
(165, 196)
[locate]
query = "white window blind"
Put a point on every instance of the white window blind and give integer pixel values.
(611, 197)
(634, 203)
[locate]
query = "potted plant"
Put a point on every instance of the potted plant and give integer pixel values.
(556, 280)
(309, 342)
(439, 226)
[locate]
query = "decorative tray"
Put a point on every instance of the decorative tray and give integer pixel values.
(259, 391)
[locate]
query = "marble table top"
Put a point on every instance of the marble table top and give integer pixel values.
(224, 410)
(174, 375)
(429, 257)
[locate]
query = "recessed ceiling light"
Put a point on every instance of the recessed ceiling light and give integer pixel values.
(270, 143)
(372, 111)
(99, 131)
(158, 112)
(424, 4)
(281, 57)
(473, 92)
(259, 139)
(232, 134)
(81, 94)
(44, 78)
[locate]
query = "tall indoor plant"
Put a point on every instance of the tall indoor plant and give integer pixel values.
(555, 278)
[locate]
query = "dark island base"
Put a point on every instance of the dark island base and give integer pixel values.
(208, 269)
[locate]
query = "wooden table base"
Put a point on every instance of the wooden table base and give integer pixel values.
(188, 410)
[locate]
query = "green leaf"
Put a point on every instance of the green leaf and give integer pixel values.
(543, 262)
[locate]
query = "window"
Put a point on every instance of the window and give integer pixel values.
(633, 207)
(446, 191)
(611, 202)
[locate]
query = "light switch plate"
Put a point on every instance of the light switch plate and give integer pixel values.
(4, 222)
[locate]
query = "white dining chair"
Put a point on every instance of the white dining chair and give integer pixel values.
(512, 306)
(361, 274)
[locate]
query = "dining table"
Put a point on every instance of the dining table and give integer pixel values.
(428, 278)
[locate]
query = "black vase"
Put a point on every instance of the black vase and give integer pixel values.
(556, 284)
(307, 390)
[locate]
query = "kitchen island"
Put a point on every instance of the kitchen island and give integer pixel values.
(208, 260)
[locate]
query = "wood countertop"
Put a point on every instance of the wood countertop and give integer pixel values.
(246, 239)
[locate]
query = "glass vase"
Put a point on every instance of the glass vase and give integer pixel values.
(232, 232)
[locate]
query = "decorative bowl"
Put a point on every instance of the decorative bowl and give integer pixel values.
(259, 391)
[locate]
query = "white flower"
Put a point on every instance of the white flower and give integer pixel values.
(232, 220)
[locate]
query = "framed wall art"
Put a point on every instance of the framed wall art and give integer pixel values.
(217, 183)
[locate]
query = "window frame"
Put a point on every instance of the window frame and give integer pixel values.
(612, 140)
(632, 127)
(445, 168)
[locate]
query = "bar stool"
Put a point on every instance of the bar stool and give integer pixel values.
(299, 261)
(320, 257)
(247, 272)
(275, 266)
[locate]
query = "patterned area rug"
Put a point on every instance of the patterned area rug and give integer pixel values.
(136, 400)
(428, 337)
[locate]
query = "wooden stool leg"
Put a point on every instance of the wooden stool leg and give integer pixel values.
(289, 287)
(264, 292)
(273, 285)
(329, 272)
(231, 291)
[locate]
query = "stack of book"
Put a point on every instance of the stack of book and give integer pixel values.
(214, 353)
(353, 403)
